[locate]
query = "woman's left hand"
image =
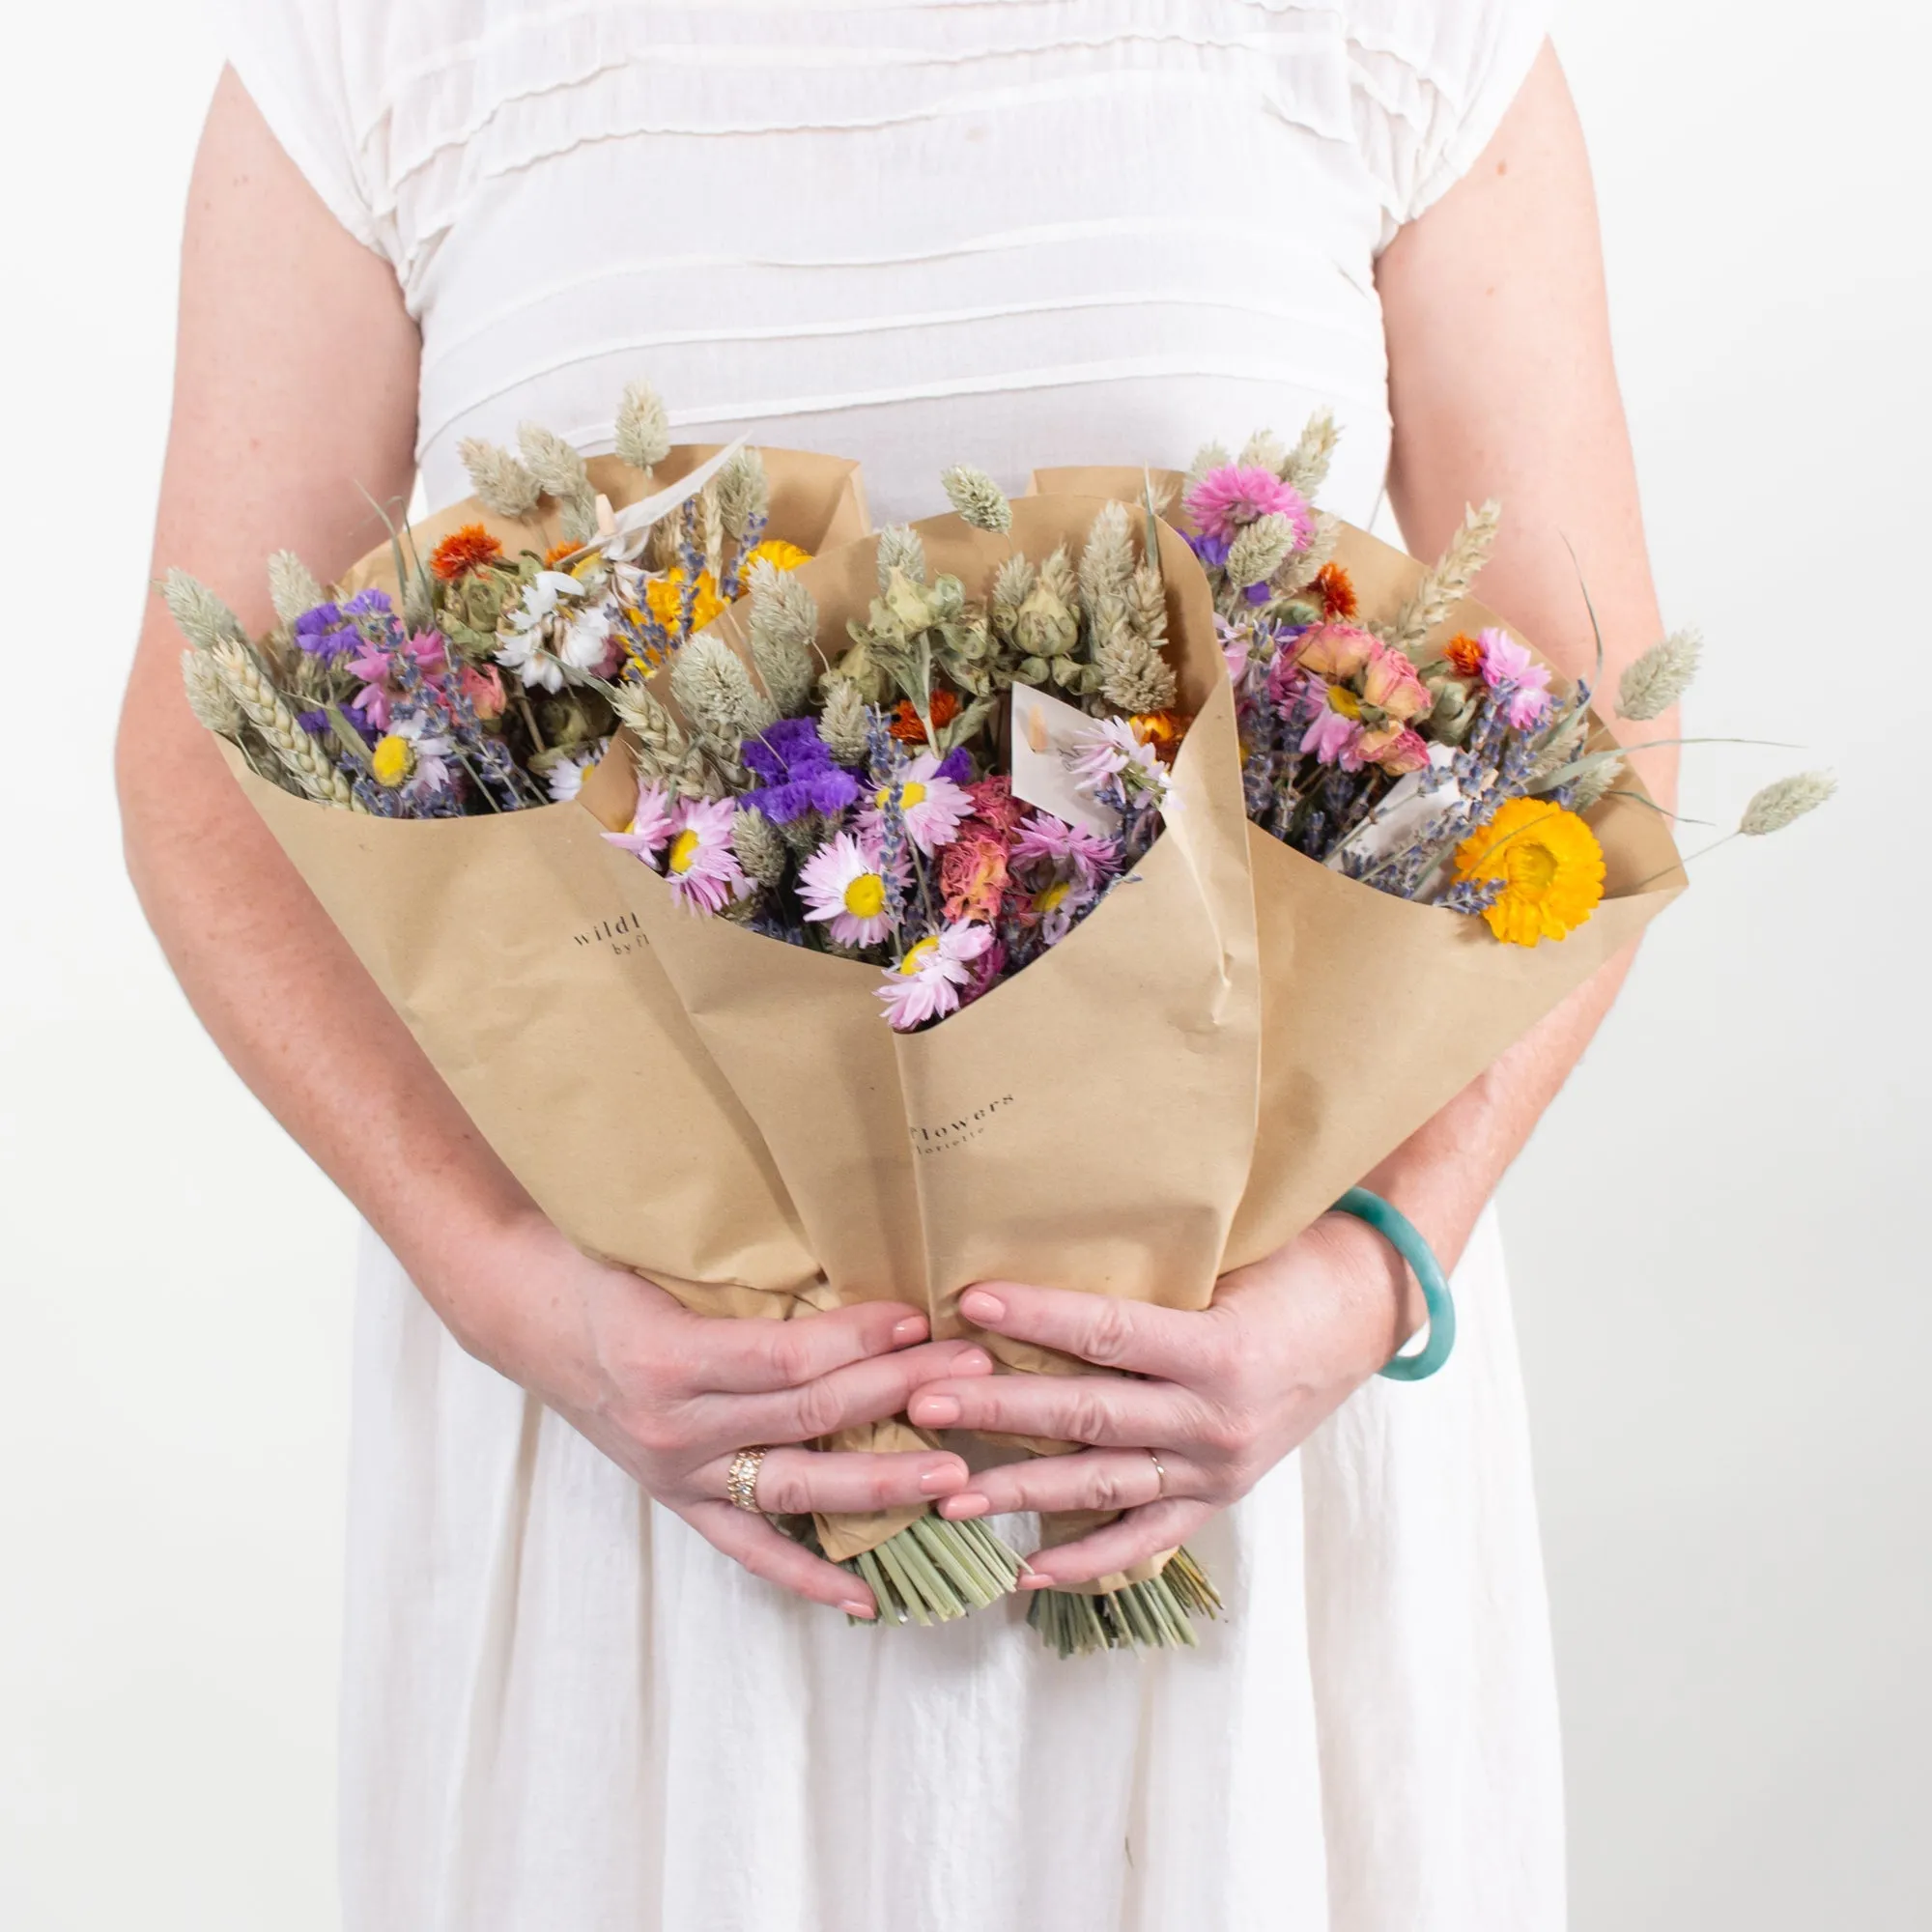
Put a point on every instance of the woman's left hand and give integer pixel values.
(1220, 1396)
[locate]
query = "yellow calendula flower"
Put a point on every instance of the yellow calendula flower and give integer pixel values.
(666, 597)
(1547, 861)
(777, 552)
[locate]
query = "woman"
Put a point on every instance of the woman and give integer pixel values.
(1050, 231)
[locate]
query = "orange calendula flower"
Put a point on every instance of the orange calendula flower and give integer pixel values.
(1163, 730)
(1465, 654)
(666, 597)
(462, 550)
(1546, 863)
(1338, 590)
(906, 726)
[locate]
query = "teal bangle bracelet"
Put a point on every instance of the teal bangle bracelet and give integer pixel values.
(1399, 1233)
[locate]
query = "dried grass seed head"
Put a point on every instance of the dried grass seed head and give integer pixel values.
(642, 429)
(1785, 801)
(205, 620)
(293, 588)
(1651, 685)
(901, 549)
(978, 498)
(501, 484)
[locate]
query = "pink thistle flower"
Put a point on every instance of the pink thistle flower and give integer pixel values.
(1334, 739)
(931, 805)
(927, 983)
(1072, 850)
(844, 886)
(650, 828)
(1508, 668)
(1227, 500)
(702, 870)
(1389, 682)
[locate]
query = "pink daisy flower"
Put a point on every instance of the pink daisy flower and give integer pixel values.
(702, 870)
(1508, 668)
(650, 830)
(1227, 500)
(1067, 848)
(844, 886)
(1112, 765)
(927, 983)
(931, 805)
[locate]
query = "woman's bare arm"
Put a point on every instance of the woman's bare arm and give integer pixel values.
(296, 392)
(1502, 387)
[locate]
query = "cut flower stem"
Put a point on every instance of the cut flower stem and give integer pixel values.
(1155, 1615)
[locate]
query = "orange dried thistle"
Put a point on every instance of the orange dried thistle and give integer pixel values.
(1163, 730)
(906, 726)
(1465, 654)
(557, 551)
(1338, 590)
(472, 548)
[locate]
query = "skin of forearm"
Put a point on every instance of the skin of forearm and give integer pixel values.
(281, 410)
(1502, 384)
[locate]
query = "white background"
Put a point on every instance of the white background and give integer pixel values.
(1715, 1236)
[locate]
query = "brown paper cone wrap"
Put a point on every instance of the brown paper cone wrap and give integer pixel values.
(1028, 1136)
(512, 948)
(1378, 1011)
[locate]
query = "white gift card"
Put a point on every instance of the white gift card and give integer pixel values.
(1046, 728)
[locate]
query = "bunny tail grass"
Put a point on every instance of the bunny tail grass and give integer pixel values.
(1150, 1616)
(934, 1571)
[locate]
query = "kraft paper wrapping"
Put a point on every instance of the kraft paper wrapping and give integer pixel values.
(1376, 1012)
(511, 947)
(1034, 1135)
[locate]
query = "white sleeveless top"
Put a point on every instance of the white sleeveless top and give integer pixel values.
(1011, 233)
(1004, 231)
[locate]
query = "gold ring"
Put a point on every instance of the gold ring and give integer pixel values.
(741, 1479)
(1159, 1474)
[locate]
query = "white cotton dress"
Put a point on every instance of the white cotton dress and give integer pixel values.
(1010, 232)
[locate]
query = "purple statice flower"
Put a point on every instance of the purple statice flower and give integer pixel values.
(326, 632)
(315, 722)
(1211, 551)
(797, 773)
(957, 765)
(370, 603)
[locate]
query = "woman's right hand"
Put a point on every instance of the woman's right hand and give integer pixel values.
(670, 1397)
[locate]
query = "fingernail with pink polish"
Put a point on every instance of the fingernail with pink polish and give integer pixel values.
(857, 1607)
(958, 1508)
(1035, 1582)
(972, 1362)
(976, 1305)
(911, 1329)
(937, 1411)
(935, 1482)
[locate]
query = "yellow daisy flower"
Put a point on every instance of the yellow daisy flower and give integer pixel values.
(666, 596)
(776, 552)
(1548, 862)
